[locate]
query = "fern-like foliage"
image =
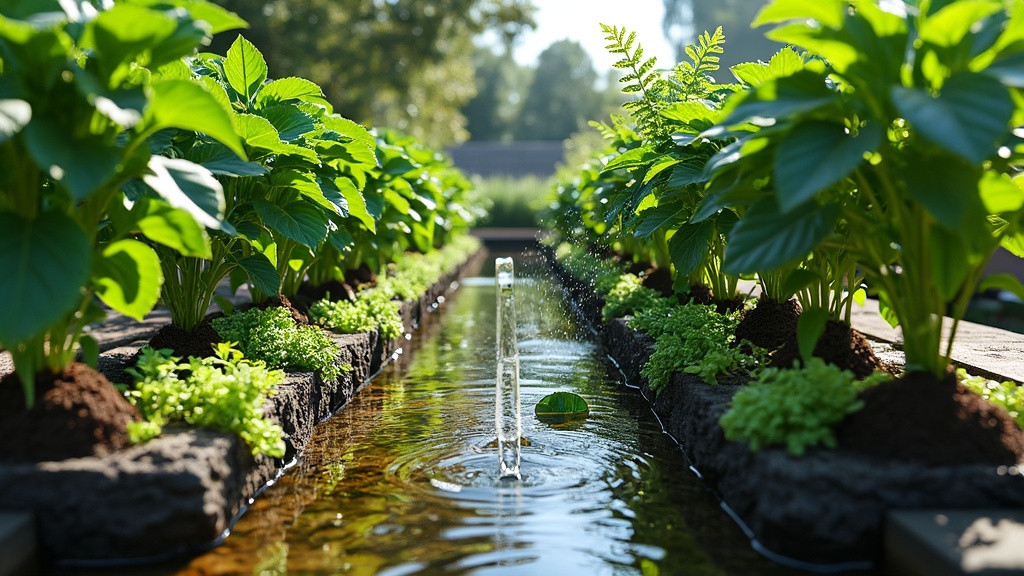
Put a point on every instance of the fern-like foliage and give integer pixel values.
(693, 80)
(641, 79)
(688, 81)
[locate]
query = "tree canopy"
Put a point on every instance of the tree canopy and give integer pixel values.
(396, 63)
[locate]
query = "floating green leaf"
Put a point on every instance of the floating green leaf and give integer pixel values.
(561, 407)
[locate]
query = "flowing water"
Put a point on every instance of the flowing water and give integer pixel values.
(405, 479)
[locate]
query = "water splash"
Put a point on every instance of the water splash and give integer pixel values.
(507, 420)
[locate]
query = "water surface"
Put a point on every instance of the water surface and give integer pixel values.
(403, 480)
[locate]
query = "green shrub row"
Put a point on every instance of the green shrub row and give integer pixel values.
(138, 169)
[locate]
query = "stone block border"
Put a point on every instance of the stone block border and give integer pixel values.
(180, 493)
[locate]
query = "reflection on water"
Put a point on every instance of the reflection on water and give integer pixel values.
(403, 480)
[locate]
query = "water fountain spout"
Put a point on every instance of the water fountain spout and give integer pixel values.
(507, 420)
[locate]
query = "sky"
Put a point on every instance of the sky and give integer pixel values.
(581, 20)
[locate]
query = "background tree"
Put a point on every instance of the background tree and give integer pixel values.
(501, 84)
(397, 63)
(685, 19)
(563, 96)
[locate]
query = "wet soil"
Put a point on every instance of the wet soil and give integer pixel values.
(769, 324)
(77, 413)
(198, 342)
(918, 418)
(298, 314)
(840, 344)
(659, 280)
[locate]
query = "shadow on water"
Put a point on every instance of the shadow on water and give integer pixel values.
(403, 480)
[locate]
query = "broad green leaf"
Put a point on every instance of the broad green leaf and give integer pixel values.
(176, 229)
(261, 272)
(561, 407)
(1000, 193)
(948, 26)
(218, 18)
(46, 263)
(1009, 69)
(816, 155)
(765, 239)
(969, 117)
(290, 122)
(120, 35)
(693, 115)
(690, 245)
(81, 164)
(948, 261)
(803, 92)
(1014, 244)
(659, 166)
(661, 217)
(301, 181)
(686, 173)
(299, 221)
(841, 53)
(356, 203)
(186, 105)
(810, 325)
(189, 186)
(397, 202)
(751, 73)
(340, 240)
(128, 278)
(947, 187)
(14, 115)
(1002, 281)
(349, 129)
(245, 68)
(287, 89)
(219, 159)
(631, 159)
(259, 133)
(827, 12)
(398, 166)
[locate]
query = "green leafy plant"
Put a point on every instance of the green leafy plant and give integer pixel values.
(627, 297)
(372, 310)
(691, 338)
(1007, 393)
(899, 126)
(81, 111)
(272, 336)
(225, 392)
(794, 407)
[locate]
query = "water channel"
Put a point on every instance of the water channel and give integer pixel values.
(404, 480)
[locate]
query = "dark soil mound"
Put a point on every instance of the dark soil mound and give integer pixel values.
(334, 290)
(770, 324)
(361, 275)
(839, 344)
(698, 294)
(919, 419)
(78, 413)
(196, 342)
(659, 280)
(297, 314)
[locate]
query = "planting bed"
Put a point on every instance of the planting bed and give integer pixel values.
(825, 510)
(181, 492)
